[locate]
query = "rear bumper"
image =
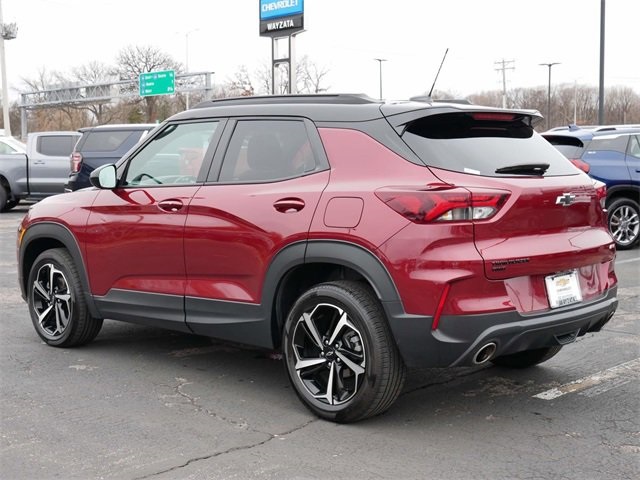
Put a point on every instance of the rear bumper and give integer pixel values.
(458, 338)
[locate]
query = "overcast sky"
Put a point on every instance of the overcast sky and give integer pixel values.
(344, 36)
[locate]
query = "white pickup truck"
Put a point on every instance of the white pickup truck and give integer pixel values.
(36, 170)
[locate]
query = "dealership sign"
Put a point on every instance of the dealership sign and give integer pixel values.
(281, 17)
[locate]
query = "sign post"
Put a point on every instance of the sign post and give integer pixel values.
(279, 20)
(157, 83)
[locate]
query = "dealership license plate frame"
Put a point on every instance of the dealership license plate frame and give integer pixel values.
(563, 289)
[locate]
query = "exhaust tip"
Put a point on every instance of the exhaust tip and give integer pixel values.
(485, 353)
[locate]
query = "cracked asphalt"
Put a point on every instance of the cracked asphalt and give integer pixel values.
(143, 403)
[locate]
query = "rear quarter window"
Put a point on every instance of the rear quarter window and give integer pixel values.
(481, 145)
(110, 140)
(616, 143)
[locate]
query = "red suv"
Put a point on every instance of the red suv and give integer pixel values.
(357, 236)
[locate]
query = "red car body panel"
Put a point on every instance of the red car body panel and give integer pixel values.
(131, 243)
(233, 231)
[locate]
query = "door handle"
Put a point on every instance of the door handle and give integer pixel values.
(289, 205)
(171, 206)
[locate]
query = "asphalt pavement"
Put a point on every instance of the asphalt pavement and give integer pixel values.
(144, 403)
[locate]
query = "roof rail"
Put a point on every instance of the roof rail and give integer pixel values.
(339, 98)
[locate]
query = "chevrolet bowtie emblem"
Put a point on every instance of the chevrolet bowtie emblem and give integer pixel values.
(565, 199)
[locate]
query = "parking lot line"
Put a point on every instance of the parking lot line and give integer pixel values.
(628, 260)
(597, 383)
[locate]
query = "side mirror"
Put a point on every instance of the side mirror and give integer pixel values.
(104, 177)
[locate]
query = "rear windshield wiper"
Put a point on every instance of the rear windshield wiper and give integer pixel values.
(525, 169)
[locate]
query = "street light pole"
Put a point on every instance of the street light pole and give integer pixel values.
(549, 92)
(7, 32)
(186, 64)
(380, 60)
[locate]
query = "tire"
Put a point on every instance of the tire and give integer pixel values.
(624, 222)
(10, 204)
(356, 375)
(56, 303)
(528, 358)
(3, 199)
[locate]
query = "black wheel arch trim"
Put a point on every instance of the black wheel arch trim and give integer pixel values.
(61, 234)
(622, 191)
(336, 252)
(357, 258)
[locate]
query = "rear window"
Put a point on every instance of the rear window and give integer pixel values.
(110, 140)
(56, 145)
(570, 147)
(481, 143)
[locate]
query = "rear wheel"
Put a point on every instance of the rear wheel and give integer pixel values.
(56, 302)
(528, 358)
(624, 222)
(339, 353)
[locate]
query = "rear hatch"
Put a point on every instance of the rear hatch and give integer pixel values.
(542, 214)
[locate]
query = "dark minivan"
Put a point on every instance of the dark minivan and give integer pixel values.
(100, 145)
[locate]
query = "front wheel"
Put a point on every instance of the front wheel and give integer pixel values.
(340, 355)
(624, 222)
(528, 358)
(56, 302)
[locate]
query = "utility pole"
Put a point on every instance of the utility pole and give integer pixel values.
(186, 58)
(7, 32)
(601, 86)
(506, 65)
(549, 91)
(380, 60)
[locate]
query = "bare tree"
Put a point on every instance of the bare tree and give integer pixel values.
(309, 77)
(97, 76)
(620, 102)
(134, 60)
(60, 116)
(239, 84)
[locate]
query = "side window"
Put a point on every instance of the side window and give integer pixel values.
(173, 157)
(56, 145)
(634, 146)
(108, 140)
(267, 150)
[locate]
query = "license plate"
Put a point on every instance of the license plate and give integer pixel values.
(563, 289)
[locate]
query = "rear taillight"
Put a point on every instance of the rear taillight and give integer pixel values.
(76, 162)
(601, 192)
(584, 166)
(449, 204)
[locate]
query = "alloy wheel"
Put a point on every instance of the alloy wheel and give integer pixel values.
(329, 354)
(624, 224)
(51, 301)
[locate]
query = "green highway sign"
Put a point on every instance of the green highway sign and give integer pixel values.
(157, 83)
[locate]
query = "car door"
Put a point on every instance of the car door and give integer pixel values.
(633, 159)
(49, 163)
(258, 203)
(134, 234)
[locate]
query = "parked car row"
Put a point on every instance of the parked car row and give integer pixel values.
(610, 154)
(358, 237)
(54, 162)
(35, 170)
